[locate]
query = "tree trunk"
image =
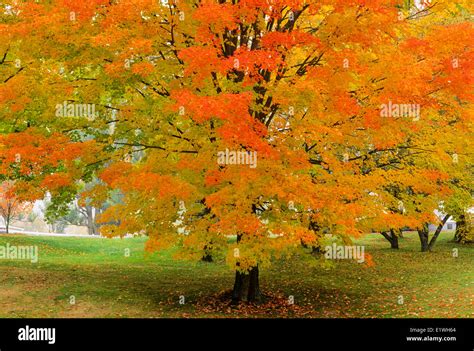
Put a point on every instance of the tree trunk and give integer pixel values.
(394, 242)
(423, 233)
(316, 250)
(460, 228)
(246, 287)
(387, 236)
(207, 257)
(437, 232)
(91, 227)
(392, 239)
(8, 218)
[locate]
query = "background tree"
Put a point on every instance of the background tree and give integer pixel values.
(11, 206)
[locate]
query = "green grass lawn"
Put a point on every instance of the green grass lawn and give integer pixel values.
(105, 283)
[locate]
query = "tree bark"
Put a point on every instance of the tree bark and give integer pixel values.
(392, 239)
(246, 286)
(316, 250)
(207, 257)
(394, 242)
(460, 228)
(386, 236)
(437, 232)
(90, 217)
(423, 233)
(8, 217)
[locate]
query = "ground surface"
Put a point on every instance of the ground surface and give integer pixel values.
(105, 283)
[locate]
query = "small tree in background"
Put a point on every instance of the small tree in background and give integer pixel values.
(11, 206)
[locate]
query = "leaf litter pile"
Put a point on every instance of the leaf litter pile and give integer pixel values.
(272, 304)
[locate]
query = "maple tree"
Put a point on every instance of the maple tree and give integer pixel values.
(314, 88)
(32, 165)
(11, 206)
